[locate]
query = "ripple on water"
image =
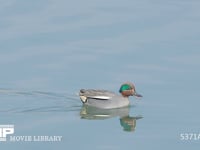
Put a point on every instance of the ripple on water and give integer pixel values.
(19, 101)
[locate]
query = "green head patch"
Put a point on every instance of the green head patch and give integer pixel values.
(124, 87)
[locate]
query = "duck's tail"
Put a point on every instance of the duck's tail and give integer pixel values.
(82, 96)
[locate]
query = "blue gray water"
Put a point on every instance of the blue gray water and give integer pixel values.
(49, 49)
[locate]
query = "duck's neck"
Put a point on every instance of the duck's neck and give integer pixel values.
(125, 96)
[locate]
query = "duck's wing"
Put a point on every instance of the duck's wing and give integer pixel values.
(95, 94)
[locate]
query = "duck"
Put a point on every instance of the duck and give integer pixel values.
(105, 99)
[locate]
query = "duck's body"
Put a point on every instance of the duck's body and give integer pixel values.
(103, 99)
(107, 99)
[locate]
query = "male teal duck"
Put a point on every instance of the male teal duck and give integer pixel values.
(106, 99)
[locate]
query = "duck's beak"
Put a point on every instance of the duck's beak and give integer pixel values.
(137, 94)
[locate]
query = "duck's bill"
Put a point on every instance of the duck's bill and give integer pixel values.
(137, 95)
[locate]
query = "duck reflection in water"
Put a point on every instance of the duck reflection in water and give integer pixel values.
(127, 122)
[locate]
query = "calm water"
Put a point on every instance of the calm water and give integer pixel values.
(49, 49)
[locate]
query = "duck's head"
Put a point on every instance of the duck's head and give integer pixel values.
(128, 89)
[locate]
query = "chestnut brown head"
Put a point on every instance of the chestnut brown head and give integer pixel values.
(128, 89)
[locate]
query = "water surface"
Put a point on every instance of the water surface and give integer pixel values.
(51, 49)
